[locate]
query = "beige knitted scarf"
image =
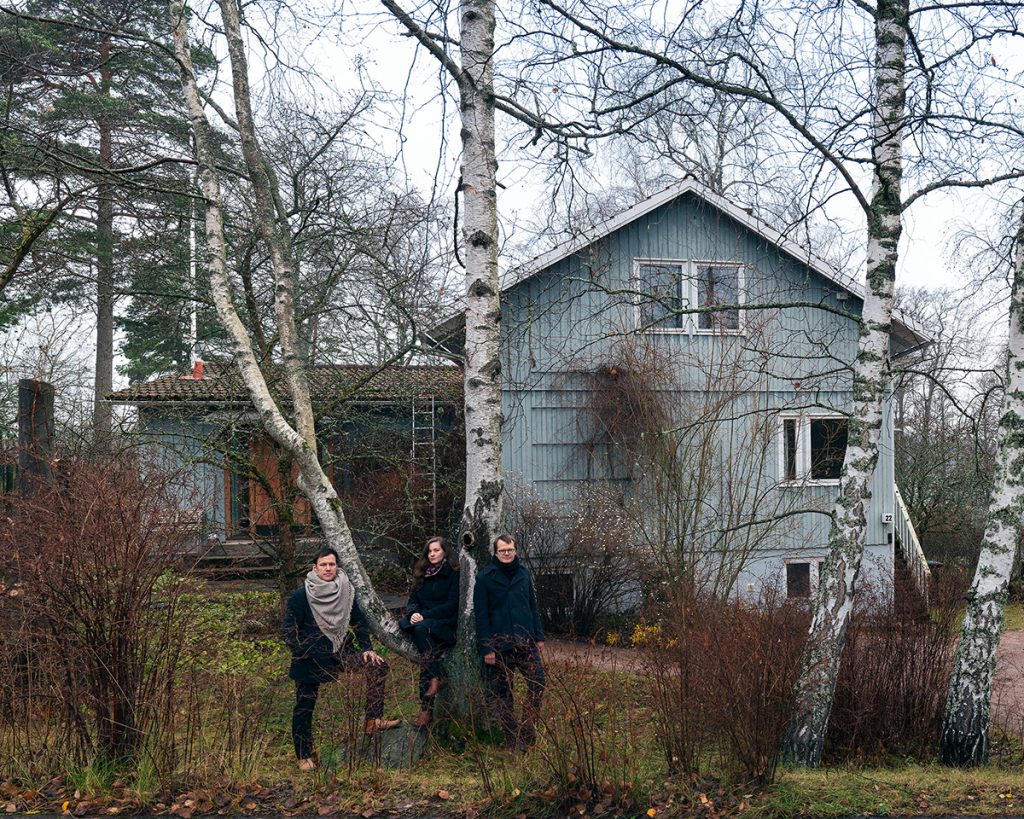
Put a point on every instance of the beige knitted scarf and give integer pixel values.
(331, 603)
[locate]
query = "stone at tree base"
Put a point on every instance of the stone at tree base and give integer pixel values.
(396, 748)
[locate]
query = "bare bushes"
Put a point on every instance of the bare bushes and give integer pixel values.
(721, 676)
(583, 556)
(591, 749)
(893, 681)
(91, 639)
(722, 673)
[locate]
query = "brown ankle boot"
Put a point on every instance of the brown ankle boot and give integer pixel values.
(423, 719)
(436, 684)
(378, 724)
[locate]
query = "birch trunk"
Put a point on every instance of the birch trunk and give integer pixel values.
(834, 600)
(299, 442)
(481, 519)
(965, 725)
(482, 513)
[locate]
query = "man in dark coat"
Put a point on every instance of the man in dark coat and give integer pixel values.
(511, 638)
(319, 622)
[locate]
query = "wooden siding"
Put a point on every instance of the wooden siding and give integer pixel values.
(185, 446)
(793, 356)
(263, 507)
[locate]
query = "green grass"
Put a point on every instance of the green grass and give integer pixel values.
(913, 789)
(1014, 617)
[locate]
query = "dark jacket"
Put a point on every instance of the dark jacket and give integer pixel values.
(437, 599)
(506, 609)
(313, 658)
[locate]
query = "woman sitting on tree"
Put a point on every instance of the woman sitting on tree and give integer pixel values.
(431, 617)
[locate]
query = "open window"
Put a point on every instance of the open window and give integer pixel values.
(689, 296)
(812, 448)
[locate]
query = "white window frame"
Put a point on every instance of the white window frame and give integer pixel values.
(813, 572)
(688, 295)
(803, 448)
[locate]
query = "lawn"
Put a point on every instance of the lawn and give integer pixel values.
(1014, 617)
(226, 750)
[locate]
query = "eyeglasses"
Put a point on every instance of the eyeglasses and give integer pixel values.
(509, 551)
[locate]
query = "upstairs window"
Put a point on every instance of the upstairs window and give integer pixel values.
(682, 296)
(812, 449)
(660, 296)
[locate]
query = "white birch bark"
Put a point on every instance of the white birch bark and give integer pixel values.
(484, 485)
(965, 725)
(482, 512)
(273, 226)
(312, 480)
(834, 600)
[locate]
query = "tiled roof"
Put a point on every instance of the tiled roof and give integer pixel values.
(338, 382)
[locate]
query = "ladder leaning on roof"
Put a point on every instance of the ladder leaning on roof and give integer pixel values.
(424, 448)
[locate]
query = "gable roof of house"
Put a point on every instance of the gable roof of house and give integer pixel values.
(220, 383)
(914, 333)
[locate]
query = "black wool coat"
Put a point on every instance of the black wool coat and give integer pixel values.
(506, 609)
(313, 657)
(437, 599)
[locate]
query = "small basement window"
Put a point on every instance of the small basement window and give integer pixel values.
(812, 449)
(798, 580)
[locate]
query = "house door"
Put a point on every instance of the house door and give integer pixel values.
(263, 506)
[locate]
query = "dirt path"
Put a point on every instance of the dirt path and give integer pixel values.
(1008, 693)
(1007, 699)
(606, 658)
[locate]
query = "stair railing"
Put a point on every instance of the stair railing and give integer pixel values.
(910, 548)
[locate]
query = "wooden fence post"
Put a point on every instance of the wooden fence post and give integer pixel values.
(35, 429)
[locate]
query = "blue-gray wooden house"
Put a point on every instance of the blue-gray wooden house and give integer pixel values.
(389, 437)
(682, 315)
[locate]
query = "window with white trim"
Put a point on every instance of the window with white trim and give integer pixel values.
(812, 448)
(667, 288)
(798, 579)
(802, 577)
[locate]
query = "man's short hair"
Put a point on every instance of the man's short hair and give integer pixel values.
(322, 553)
(504, 537)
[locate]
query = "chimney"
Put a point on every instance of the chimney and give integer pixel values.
(196, 375)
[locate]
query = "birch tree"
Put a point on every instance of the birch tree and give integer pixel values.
(834, 602)
(297, 437)
(482, 508)
(968, 706)
(481, 520)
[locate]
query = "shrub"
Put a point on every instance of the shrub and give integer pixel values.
(91, 639)
(586, 566)
(590, 748)
(722, 675)
(893, 680)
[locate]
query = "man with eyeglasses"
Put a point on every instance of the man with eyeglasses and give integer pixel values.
(510, 637)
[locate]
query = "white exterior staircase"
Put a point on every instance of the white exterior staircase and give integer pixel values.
(910, 549)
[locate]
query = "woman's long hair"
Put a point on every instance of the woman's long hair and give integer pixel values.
(419, 570)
